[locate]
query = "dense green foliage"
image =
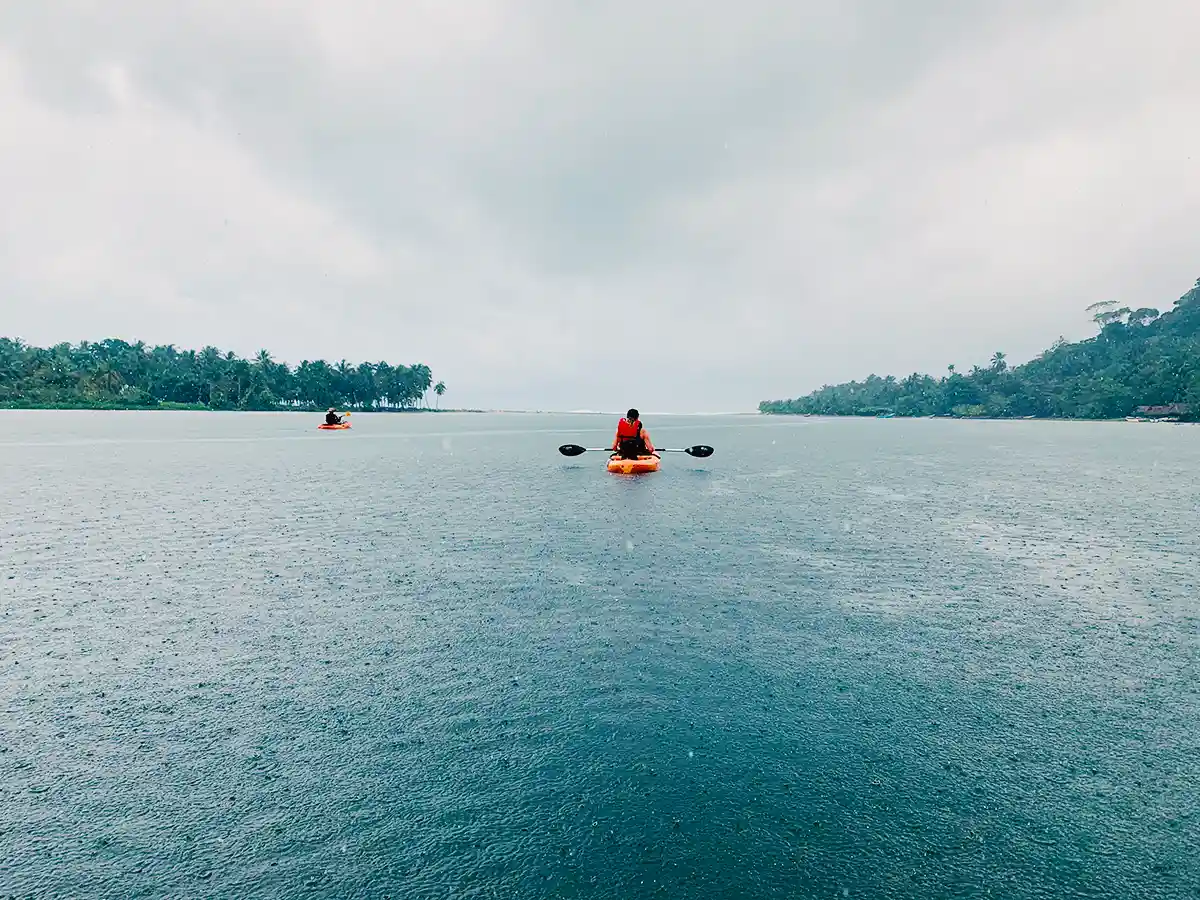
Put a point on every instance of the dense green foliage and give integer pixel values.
(116, 374)
(1139, 358)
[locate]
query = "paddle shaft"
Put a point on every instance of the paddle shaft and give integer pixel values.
(656, 449)
(700, 451)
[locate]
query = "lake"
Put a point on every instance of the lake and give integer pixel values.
(431, 657)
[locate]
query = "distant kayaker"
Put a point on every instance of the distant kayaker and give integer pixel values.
(332, 418)
(632, 440)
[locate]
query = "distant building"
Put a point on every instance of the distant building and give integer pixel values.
(1171, 410)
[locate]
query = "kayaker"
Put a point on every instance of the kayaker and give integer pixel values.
(632, 440)
(332, 418)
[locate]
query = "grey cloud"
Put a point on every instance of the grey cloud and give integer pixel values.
(536, 197)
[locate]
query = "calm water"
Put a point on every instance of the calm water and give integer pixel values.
(430, 657)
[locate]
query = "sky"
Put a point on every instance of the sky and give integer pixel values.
(684, 206)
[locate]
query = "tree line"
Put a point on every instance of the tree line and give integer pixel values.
(116, 374)
(1139, 357)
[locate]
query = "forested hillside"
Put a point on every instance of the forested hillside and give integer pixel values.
(1139, 358)
(116, 374)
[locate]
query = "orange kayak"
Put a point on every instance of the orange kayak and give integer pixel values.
(342, 427)
(638, 466)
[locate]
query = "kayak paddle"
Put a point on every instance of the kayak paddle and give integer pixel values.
(700, 451)
(576, 450)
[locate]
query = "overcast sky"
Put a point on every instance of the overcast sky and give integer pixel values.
(687, 206)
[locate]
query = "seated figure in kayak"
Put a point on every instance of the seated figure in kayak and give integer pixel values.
(632, 440)
(332, 418)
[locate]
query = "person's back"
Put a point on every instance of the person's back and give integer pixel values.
(332, 418)
(631, 440)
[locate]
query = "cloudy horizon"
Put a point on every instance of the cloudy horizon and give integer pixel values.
(681, 206)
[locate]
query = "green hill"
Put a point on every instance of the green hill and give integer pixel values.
(114, 374)
(1139, 358)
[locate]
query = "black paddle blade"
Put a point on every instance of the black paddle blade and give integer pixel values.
(700, 450)
(571, 450)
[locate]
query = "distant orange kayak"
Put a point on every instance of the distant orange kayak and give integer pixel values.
(342, 427)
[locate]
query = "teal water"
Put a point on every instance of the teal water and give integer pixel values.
(430, 657)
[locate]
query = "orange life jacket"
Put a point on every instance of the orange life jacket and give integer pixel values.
(630, 442)
(627, 430)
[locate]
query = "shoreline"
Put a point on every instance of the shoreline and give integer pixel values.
(183, 407)
(10, 407)
(1123, 419)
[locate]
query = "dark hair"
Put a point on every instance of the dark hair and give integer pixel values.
(632, 415)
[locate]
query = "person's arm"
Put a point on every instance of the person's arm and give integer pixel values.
(646, 438)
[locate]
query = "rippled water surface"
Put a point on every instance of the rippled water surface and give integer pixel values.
(430, 657)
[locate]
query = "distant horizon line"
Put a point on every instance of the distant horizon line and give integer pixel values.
(410, 411)
(614, 412)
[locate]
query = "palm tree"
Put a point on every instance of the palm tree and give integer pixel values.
(12, 351)
(343, 383)
(422, 381)
(106, 378)
(998, 363)
(439, 389)
(385, 377)
(366, 389)
(1143, 316)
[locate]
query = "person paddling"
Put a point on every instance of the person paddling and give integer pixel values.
(632, 440)
(332, 418)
